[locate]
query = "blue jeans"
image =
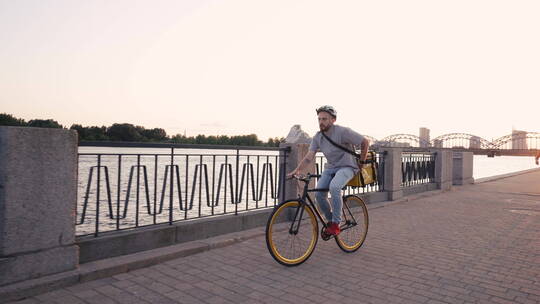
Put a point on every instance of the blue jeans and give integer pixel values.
(333, 179)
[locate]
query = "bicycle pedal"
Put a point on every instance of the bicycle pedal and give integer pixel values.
(325, 236)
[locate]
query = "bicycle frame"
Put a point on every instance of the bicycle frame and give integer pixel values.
(303, 202)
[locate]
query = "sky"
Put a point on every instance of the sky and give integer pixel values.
(240, 67)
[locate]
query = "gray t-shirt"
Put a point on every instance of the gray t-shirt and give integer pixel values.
(335, 156)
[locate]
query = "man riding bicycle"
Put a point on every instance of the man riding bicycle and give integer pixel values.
(340, 167)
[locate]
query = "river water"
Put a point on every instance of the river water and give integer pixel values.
(484, 166)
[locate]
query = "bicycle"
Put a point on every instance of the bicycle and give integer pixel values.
(293, 223)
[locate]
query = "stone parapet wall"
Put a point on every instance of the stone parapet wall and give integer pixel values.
(38, 193)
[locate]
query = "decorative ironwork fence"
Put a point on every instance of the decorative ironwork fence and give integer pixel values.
(155, 184)
(417, 168)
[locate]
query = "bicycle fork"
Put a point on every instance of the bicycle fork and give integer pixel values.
(297, 219)
(349, 219)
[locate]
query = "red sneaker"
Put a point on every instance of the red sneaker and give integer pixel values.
(333, 229)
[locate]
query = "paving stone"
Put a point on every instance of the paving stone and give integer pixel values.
(29, 301)
(69, 299)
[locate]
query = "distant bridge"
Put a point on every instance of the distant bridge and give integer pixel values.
(519, 143)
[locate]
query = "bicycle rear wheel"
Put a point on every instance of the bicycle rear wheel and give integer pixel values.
(291, 233)
(354, 224)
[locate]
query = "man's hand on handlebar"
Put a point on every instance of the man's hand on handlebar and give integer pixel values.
(296, 176)
(293, 173)
(302, 177)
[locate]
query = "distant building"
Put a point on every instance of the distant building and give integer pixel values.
(424, 137)
(475, 142)
(519, 139)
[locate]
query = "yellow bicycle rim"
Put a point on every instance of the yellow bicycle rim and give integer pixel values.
(314, 233)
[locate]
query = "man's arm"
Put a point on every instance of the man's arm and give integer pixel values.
(364, 149)
(356, 138)
(310, 156)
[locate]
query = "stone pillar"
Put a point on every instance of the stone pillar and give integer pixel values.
(392, 173)
(443, 169)
(38, 195)
(462, 172)
(293, 188)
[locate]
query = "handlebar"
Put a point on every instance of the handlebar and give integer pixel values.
(305, 178)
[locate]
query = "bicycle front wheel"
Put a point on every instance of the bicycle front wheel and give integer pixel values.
(354, 224)
(291, 233)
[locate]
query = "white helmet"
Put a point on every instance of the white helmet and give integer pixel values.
(328, 109)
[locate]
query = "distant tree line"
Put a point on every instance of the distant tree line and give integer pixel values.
(129, 132)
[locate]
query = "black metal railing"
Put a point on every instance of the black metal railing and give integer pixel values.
(124, 186)
(417, 168)
(376, 187)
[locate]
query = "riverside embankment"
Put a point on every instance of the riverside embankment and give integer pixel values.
(476, 243)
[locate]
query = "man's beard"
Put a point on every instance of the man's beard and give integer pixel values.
(323, 128)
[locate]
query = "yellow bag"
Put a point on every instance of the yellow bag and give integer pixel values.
(367, 174)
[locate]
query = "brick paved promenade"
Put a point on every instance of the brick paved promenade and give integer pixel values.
(475, 244)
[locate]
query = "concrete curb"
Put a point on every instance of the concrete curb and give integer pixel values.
(501, 176)
(116, 265)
